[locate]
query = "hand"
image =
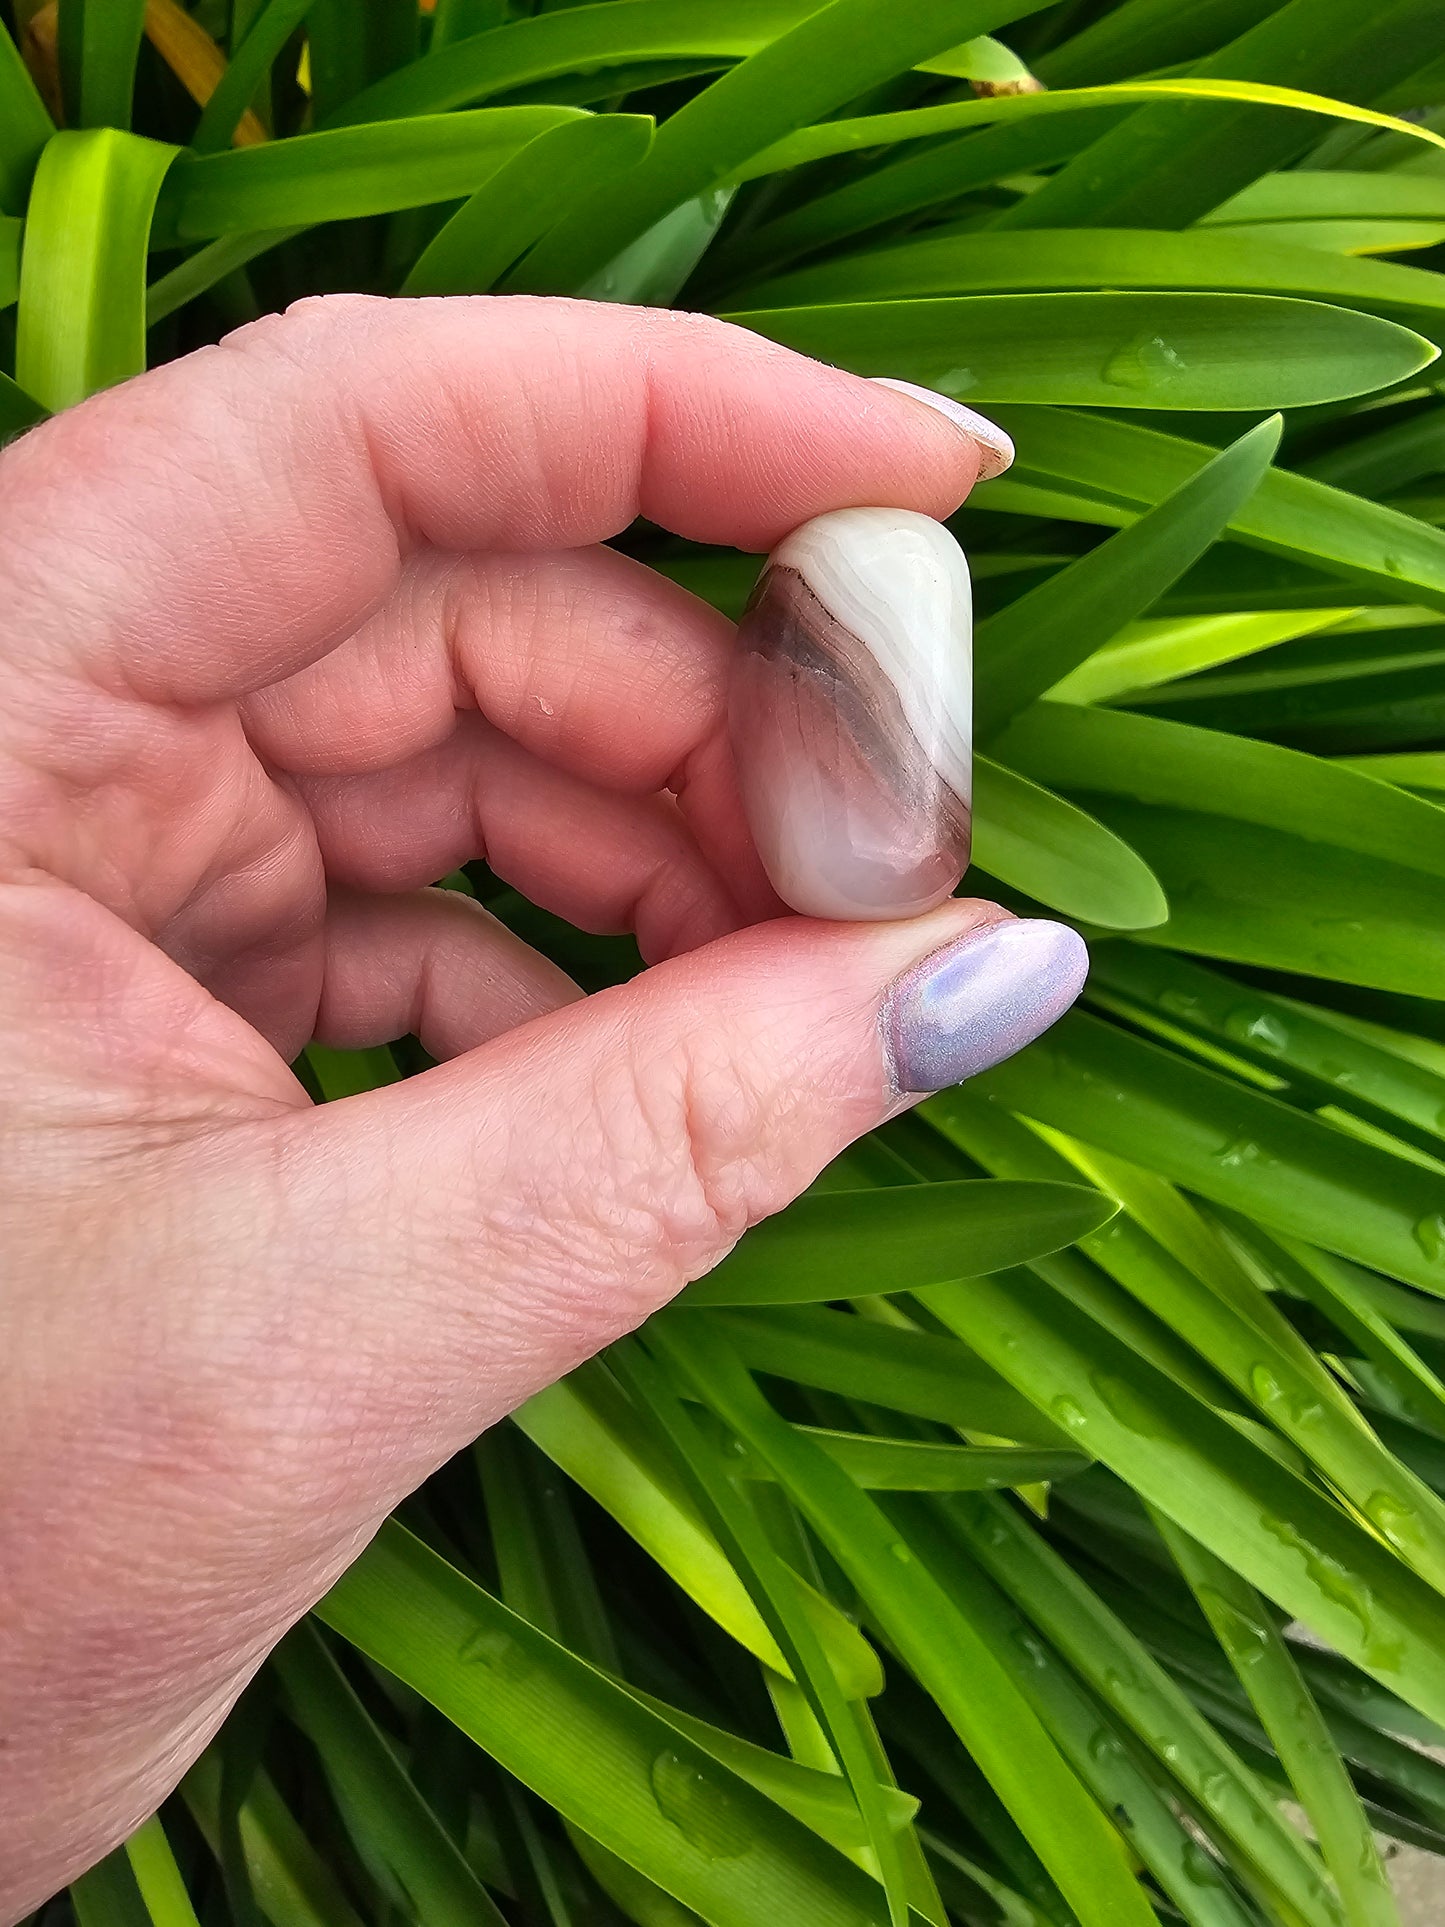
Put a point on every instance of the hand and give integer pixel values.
(288, 630)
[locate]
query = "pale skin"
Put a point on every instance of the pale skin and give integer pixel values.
(287, 631)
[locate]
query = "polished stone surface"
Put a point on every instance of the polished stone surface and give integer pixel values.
(852, 714)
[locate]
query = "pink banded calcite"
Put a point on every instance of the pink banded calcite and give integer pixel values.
(851, 714)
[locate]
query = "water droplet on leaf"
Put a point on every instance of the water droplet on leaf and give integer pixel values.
(1241, 1150)
(1125, 1403)
(1146, 361)
(701, 1810)
(495, 1648)
(1247, 1024)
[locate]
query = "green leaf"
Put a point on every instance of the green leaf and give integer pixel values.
(1279, 1034)
(158, 1877)
(1122, 468)
(1168, 765)
(10, 233)
(1294, 1723)
(1259, 848)
(1140, 36)
(1235, 1323)
(349, 171)
(832, 137)
(931, 1634)
(346, 1073)
(830, 57)
(109, 1895)
(1237, 1146)
(1141, 1696)
(1145, 654)
(200, 271)
(1030, 838)
(81, 324)
(922, 176)
(602, 1759)
(1310, 194)
(25, 126)
(1265, 1521)
(524, 52)
(17, 409)
(530, 191)
(1029, 645)
(1167, 165)
(912, 1465)
(846, 1244)
(1185, 351)
(1125, 1781)
(905, 1371)
(292, 1885)
(774, 1590)
(389, 1820)
(98, 44)
(603, 1442)
(251, 61)
(1239, 262)
(350, 47)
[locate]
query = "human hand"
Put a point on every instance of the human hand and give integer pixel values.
(290, 629)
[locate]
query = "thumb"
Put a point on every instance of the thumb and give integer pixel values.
(480, 1229)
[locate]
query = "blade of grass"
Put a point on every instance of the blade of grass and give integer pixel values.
(913, 1465)
(1167, 165)
(844, 136)
(293, 1885)
(1239, 261)
(1092, 1707)
(109, 1895)
(903, 1371)
(158, 1877)
(549, 46)
(1171, 765)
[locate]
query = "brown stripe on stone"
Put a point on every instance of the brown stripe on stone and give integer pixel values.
(788, 624)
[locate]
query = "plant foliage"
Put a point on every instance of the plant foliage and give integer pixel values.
(1098, 1407)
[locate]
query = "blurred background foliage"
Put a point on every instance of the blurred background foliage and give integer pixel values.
(1042, 1523)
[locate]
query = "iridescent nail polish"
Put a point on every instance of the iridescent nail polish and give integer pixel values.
(977, 1001)
(851, 715)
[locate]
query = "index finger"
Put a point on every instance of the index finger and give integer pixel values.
(210, 527)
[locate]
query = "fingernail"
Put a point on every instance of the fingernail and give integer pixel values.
(974, 1003)
(996, 449)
